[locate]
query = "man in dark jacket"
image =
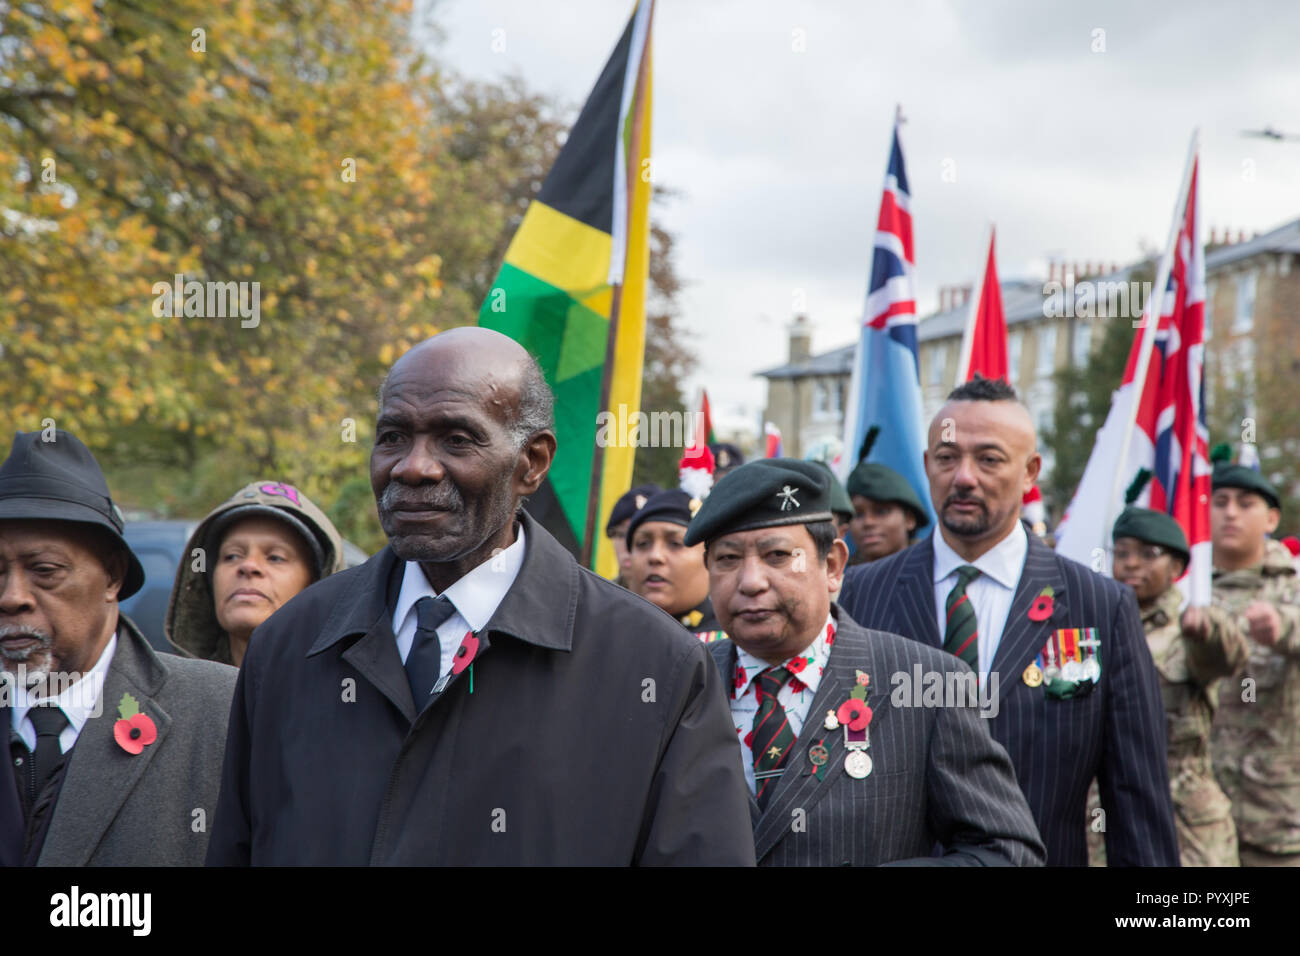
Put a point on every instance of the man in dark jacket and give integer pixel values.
(1058, 647)
(471, 695)
(844, 767)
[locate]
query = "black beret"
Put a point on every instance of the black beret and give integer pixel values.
(726, 456)
(762, 494)
(673, 505)
(840, 501)
(1153, 527)
(1227, 475)
(629, 504)
(882, 483)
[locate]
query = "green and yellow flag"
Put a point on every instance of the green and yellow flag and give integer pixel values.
(572, 291)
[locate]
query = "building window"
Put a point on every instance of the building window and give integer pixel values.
(1244, 320)
(1014, 342)
(1082, 341)
(821, 401)
(938, 364)
(1046, 350)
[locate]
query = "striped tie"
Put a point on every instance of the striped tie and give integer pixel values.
(773, 736)
(961, 635)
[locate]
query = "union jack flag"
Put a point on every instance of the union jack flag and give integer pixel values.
(891, 296)
(1169, 438)
(885, 390)
(1171, 412)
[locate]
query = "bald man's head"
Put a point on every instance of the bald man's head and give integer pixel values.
(463, 434)
(498, 359)
(981, 459)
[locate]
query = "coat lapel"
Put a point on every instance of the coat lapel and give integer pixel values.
(799, 786)
(1022, 638)
(100, 775)
(913, 601)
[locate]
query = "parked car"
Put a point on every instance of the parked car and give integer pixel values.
(160, 545)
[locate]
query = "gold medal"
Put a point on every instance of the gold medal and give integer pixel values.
(1033, 676)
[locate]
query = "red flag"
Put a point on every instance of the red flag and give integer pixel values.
(703, 423)
(984, 347)
(774, 448)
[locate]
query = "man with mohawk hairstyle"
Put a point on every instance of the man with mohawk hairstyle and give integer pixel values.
(1191, 652)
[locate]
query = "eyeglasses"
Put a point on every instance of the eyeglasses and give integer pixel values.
(1148, 552)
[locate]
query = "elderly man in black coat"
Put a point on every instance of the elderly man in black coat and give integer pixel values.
(471, 695)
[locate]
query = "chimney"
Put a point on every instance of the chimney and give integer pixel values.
(1051, 270)
(943, 298)
(966, 291)
(1214, 236)
(800, 340)
(1241, 235)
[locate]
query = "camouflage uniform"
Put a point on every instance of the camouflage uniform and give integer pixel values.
(1189, 671)
(1257, 742)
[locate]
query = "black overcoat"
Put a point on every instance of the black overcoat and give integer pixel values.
(592, 729)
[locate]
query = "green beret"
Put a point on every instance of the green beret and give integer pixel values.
(1228, 475)
(840, 501)
(1153, 527)
(882, 483)
(762, 494)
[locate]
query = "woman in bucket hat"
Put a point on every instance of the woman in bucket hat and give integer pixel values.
(250, 555)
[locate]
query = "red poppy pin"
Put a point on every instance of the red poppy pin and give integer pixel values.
(854, 712)
(135, 730)
(465, 653)
(1042, 607)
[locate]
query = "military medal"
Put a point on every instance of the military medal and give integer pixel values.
(1051, 671)
(857, 764)
(818, 755)
(1091, 648)
(1033, 676)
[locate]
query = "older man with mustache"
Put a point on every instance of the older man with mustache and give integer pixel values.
(471, 695)
(114, 751)
(1077, 689)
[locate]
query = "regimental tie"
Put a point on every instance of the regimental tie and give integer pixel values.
(424, 662)
(961, 633)
(773, 737)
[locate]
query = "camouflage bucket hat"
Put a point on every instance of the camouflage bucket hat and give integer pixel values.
(191, 623)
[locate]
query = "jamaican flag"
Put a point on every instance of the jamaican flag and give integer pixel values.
(572, 290)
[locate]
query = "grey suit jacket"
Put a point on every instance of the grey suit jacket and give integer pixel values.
(119, 809)
(937, 775)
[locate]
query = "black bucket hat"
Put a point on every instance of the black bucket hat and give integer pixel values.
(59, 480)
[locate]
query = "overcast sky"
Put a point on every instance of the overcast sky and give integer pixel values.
(780, 155)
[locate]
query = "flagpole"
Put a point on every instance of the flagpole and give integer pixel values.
(968, 336)
(1150, 322)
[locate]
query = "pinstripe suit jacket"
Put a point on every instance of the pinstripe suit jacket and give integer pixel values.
(937, 775)
(1116, 733)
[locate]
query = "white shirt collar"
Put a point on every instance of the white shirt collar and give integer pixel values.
(476, 595)
(815, 656)
(79, 702)
(1002, 562)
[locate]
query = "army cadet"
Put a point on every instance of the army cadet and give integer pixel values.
(886, 509)
(1256, 740)
(1191, 653)
(665, 571)
(619, 517)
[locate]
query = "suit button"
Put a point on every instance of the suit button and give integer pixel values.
(18, 761)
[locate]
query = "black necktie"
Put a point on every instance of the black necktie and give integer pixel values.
(49, 723)
(424, 662)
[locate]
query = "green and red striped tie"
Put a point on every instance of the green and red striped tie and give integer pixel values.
(773, 736)
(961, 634)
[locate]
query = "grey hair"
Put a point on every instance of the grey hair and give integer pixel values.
(536, 404)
